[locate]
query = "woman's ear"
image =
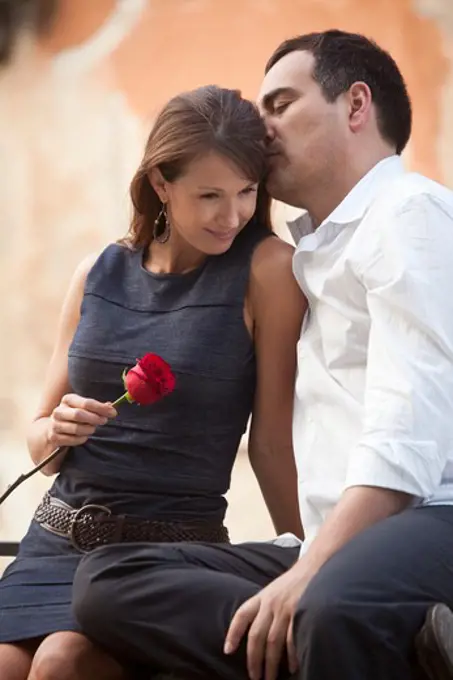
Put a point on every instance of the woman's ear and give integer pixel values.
(158, 183)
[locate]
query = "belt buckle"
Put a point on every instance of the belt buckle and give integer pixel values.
(81, 516)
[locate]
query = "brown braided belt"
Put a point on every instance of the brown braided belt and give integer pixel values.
(94, 525)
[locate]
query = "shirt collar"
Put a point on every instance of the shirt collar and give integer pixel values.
(356, 203)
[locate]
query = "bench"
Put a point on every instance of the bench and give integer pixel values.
(8, 548)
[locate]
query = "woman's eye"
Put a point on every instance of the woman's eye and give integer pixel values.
(249, 190)
(209, 196)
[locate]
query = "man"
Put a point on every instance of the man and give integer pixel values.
(373, 428)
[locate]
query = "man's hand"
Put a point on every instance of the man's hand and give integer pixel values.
(268, 616)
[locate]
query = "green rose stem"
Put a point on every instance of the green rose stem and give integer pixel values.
(126, 397)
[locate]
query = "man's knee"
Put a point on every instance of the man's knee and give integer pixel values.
(334, 609)
(331, 606)
(94, 596)
(105, 578)
(324, 619)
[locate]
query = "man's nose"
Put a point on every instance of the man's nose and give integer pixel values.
(270, 129)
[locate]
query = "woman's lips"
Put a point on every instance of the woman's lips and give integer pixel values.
(223, 235)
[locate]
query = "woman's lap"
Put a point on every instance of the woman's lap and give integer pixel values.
(36, 588)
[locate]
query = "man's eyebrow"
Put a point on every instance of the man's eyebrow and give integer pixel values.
(271, 96)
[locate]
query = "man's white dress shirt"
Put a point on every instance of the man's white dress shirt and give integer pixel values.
(374, 390)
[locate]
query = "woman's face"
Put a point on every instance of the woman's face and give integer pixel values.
(209, 205)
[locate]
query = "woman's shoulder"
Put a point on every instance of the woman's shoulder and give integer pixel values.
(111, 261)
(106, 253)
(273, 285)
(272, 256)
(96, 265)
(83, 269)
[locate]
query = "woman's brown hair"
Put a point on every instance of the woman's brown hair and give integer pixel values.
(192, 124)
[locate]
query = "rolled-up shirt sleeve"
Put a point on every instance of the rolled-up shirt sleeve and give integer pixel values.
(407, 434)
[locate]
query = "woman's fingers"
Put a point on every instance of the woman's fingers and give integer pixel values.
(76, 418)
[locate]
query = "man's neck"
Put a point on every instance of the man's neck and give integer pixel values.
(323, 202)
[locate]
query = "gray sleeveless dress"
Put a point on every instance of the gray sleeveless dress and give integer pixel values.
(169, 461)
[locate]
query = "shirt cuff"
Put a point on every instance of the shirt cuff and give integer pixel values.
(412, 467)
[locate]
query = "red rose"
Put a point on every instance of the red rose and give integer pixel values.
(149, 380)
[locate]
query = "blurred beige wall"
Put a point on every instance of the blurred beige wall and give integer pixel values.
(75, 107)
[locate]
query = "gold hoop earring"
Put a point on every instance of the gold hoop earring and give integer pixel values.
(161, 232)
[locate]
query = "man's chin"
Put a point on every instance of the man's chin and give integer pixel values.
(280, 190)
(275, 185)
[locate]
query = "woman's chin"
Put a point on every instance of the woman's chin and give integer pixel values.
(215, 246)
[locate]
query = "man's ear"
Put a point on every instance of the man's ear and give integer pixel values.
(360, 102)
(158, 183)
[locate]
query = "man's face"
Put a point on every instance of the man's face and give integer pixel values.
(307, 134)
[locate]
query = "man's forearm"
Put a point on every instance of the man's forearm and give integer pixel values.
(359, 508)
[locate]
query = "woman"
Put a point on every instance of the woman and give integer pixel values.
(201, 281)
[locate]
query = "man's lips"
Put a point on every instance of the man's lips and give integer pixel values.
(273, 155)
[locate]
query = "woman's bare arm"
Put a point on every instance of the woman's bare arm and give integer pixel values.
(277, 306)
(64, 419)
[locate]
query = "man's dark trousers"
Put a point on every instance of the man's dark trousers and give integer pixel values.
(168, 606)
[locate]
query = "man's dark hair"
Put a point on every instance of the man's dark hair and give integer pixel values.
(342, 59)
